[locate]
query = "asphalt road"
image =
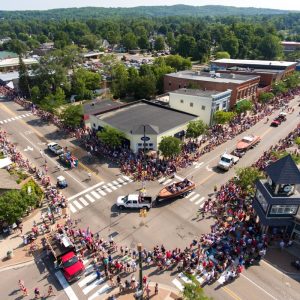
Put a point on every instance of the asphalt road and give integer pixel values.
(173, 224)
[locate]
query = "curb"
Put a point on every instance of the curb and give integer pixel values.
(20, 264)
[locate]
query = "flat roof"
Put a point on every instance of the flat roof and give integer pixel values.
(196, 92)
(254, 70)
(255, 62)
(8, 76)
(290, 43)
(204, 76)
(99, 106)
(12, 62)
(159, 118)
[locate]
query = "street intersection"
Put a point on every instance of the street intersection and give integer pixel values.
(175, 224)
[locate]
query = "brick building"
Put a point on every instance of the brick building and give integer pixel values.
(242, 86)
(290, 46)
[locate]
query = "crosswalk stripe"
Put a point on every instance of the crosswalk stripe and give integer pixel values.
(79, 206)
(120, 180)
(1, 122)
(23, 116)
(72, 208)
(19, 117)
(87, 279)
(167, 181)
(178, 284)
(194, 197)
(102, 290)
(184, 278)
(112, 186)
(199, 279)
(90, 198)
(12, 119)
(107, 188)
(95, 194)
(161, 179)
(199, 165)
(101, 192)
(85, 203)
(27, 115)
(8, 120)
(85, 191)
(67, 289)
(115, 182)
(5, 121)
(200, 200)
(190, 195)
(92, 285)
(127, 178)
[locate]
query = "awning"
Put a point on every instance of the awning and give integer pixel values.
(5, 162)
(10, 85)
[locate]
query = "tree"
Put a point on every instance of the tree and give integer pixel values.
(222, 117)
(145, 87)
(143, 42)
(230, 44)
(53, 101)
(111, 137)
(195, 129)
(222, 54)
(170, 146)
(16, 46)
(270, 47)
(246, 178)
(119, 80)
(186, 45)
(178, 62)
(72, 115)
(159, 43)
(243, 106)
(292, 81)
(265, 97)
(35, 94)
(130, 41)
(279, 88)
(193, 291)
(23, 78)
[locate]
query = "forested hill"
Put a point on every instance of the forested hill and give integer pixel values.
(145, 11)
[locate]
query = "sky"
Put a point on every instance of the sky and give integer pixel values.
(49, 4)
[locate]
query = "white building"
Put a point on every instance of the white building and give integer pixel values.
(199, 102)
(143, 121)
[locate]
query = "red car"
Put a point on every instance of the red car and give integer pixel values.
(276, 122)
(72, 267)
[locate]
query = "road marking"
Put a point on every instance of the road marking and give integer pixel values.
(27, 115)
(101, 192)
(259, 287)
(167, 181)
(112, 186)
(90, 198)
(199, 279)
(127, 178)
(198, 165)
(23, 116)
(178, 177)
(5, 121)
(83, 201)
(107, 188)
(267, 131)
(72, 208)
(178, 284)
(67, 289)
(190, 195)
(86, 190)
(184, 278)
(161, 179)
(95, 194)
(102, 290)
(92, 285)
(121, 180)
(8, 120)
(87, 279)
(1, 122)
(199, 201)
(115, 182)
(231, 293)
(79, 206)
(194, 197)
(205, 179)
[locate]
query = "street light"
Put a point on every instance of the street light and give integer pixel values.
(139, 293)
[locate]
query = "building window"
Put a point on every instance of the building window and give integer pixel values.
(94, 125)
(170, 83)
(261, 199)
(203, 107)
(284, 209)
(140, 144)
(224, 104)
(191, 104)
(150, 145)
(179, 86)
(181, 100)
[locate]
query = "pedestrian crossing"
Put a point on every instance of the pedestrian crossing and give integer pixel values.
(182, 279)
(96, 192)
(15, 118)
(193, 197)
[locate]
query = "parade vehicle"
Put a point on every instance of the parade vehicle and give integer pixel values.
(279, 119)
(69, 160)
(176, 190)
(61, 182)
(64, 252)
(134, 201)
(55, 148)
(247, 142)
(227, 161)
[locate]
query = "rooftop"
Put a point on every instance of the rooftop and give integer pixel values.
(196, 92)
(284, 171)
(13, 62)
(100, 106)
(7, 181)
(254, 62)
(8, 76)
(7, 54)
(290, 43)
(221, 78)
(254, 70)
(157, 119)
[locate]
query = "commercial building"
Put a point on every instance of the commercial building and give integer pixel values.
(199, 102)
(12, 64)
(242, 86)
(144, 123)
(277, 198)
(290, 46)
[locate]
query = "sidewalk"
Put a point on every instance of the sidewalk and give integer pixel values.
(164, 293)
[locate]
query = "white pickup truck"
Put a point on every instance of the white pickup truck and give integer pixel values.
(227, 161)
(55, 148)
(134, 201)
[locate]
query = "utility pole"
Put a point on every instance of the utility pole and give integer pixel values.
(139, 293)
